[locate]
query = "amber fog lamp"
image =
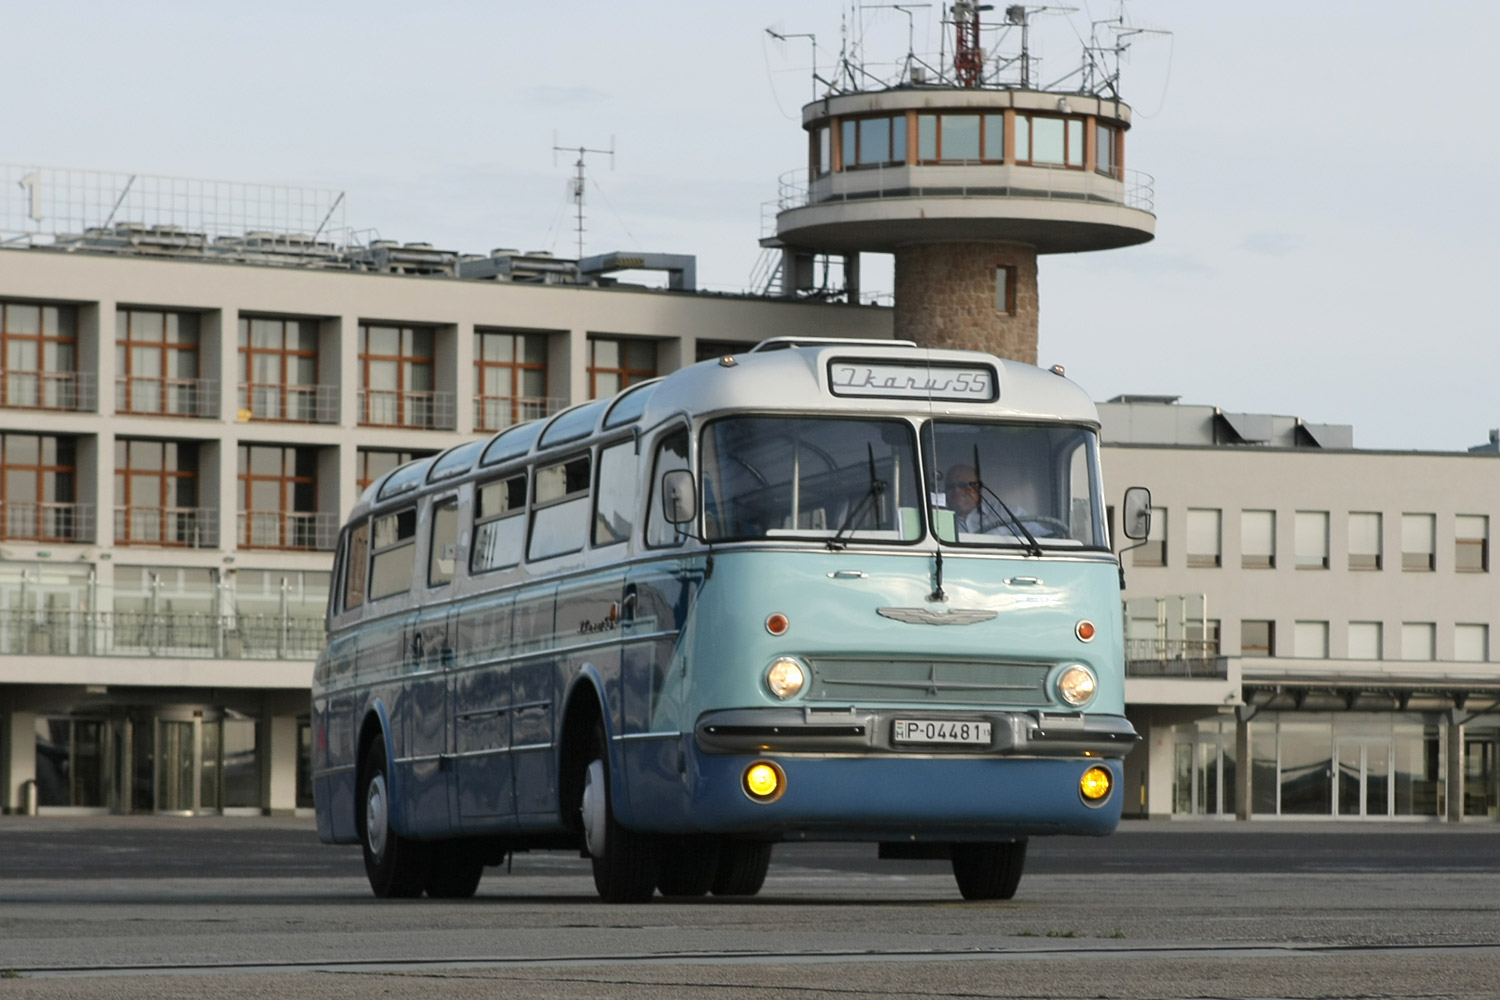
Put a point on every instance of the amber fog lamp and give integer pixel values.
(1085, 630)
(764, 781)
(777, 624)
(1095, 785)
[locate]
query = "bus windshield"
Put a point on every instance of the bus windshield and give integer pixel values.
(805, 477)
(1024, 485)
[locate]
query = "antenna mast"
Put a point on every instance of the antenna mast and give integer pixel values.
(579, 179)
(968, 57)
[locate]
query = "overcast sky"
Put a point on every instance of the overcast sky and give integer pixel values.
(1325, 170)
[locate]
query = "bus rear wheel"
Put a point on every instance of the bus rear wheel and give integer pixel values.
(626, 863)
(742, 868)
(989, 870)
(396, 866)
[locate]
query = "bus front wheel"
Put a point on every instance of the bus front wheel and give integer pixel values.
(396, 866)
(989, 871)
(742, 868)
(626, 863)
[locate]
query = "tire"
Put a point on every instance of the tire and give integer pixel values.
(625, 862)
(742, 868)
(454, 870)
(689, 866)
(989, 870)
(396, 866)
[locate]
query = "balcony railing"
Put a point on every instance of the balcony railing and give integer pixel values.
(1194, 658)
(495, 413)
(72, 391)
(169, 397)
(287, 530)
(392, 408)
(301, 404)
(47, 522)
(194, 528)
(198, 635)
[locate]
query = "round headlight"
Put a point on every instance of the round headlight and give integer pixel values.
(1076, 685)
(786, 678)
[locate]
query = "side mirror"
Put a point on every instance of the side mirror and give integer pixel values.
(1137, 513)
(679, 497)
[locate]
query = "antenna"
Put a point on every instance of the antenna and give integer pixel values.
(578, 182)
(968, 57)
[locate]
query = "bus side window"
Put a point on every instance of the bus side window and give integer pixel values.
(560, 508)
(499, 530)
(614, 511)
(443, 552)
(671, 453)
(356, 566)
(395, 546)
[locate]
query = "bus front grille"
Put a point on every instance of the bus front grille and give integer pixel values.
(964, 682)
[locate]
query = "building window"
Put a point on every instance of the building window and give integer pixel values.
(510, 378)
(395, 377)
(1310, 640)
(156, 495)
(1418, 641)
(1005, 290)
(873, 142)
(1312, 539)
(1258, 539)
(1153, 551)
(1364, 541)
(1203, 537)
(1471, 643)
(156, 363)
(1418, 542)
(278, 498)
(713, 350)
(1257, 638)
(38, 357)
(372, 463)
(1107, 150)
(1365, 641)
(1471, 543)
(617, 362)
(820, 159)
(279, 371)
(37, 483)
(961, 138)
(1047, 141)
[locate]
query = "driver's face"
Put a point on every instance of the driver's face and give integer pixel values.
(963, 494)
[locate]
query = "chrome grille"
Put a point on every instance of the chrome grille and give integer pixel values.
(967, 682)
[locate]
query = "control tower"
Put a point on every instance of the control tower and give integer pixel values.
(967, 180)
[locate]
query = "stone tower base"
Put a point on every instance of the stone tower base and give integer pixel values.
(946, 296)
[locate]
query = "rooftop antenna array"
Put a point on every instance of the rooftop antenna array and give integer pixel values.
(579, 181)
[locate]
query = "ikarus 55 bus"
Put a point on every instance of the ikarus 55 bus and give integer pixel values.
(841, 590)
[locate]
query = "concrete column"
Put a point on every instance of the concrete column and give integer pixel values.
(1159, 747)
(278, 738)
(1455, 778)
(459, 379)
(1242, 766)
(19, 732)
(947, 296)
(568, 364)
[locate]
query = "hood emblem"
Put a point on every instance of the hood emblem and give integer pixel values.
(926, 616)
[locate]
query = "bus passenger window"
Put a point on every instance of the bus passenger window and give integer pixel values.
(560, 511)
(614, 512)
(395, 554)
(443, 551)
(671, 453)
(499, 531)
(356, 566)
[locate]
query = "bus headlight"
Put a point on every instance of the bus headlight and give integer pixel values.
(786, 678)
(1076, 685)
(1095, 785)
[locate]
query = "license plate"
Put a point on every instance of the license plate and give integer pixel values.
(933, 731)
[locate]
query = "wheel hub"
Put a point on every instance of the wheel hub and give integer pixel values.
(593, 809)
(377, 816)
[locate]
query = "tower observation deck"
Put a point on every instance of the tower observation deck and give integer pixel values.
(966, 182)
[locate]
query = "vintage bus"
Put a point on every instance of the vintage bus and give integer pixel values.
(839, 590)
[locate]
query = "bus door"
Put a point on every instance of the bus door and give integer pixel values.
(654, 611)
(429, 655)
(480, 692)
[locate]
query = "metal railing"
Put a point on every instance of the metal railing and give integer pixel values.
(198, 635)
(1134, 189)
(395, 408)
(1193, 658)
(72, 391)
(495, 413)
(287, 530)
(304, 404)
(47, 522)
(172, 397)
(194, 528)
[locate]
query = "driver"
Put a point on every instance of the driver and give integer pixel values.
(972, 514)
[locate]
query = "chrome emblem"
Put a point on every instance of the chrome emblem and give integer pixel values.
(926, 616)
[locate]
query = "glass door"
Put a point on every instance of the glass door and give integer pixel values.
(177, 767)
(1362, 779)
(1481, 778)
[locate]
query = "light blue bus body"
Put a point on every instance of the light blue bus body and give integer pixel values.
(493, 683)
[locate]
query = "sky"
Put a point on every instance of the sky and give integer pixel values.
(1324, 170)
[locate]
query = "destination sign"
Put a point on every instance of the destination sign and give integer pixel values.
(950, 383)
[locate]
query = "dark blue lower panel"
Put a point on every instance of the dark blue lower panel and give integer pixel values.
(867, 798)
(334, 795)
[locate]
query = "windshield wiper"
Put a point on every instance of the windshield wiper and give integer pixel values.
(876, 489)
(1032, 545)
